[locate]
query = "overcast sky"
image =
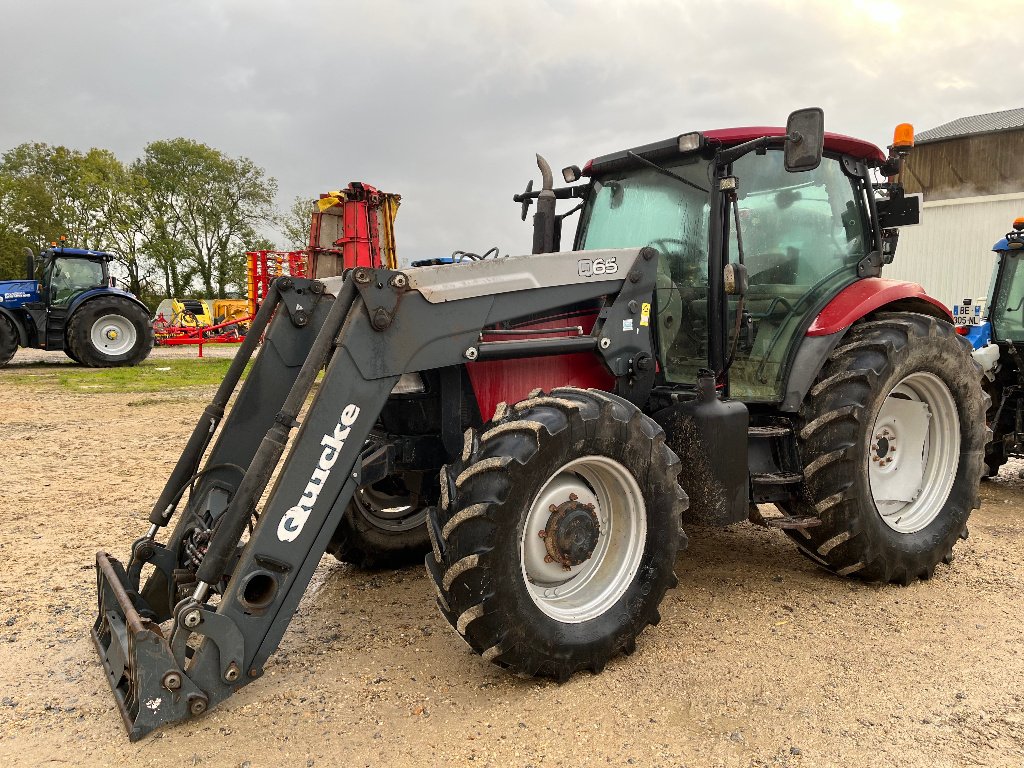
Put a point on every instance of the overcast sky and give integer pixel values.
(446, 102)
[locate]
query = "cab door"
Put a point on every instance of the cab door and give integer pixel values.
(803, 236)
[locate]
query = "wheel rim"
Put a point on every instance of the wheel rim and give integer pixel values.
(387, 511)
(914, 452)
(587, 589)
(113, 335)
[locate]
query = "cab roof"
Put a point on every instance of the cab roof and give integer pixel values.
(834, 142)
(669, 148)
(83, 252)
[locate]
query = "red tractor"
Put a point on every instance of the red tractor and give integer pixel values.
(717, 337)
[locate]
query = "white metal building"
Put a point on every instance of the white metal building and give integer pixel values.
(971, 172)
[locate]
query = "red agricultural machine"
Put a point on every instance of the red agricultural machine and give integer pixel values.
(353, 227)
(716, 337)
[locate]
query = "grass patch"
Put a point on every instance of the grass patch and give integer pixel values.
(150, 376)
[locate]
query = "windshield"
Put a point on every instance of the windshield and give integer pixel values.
(1007, 312)
(642, 207)
(70, 276)
(645, 208)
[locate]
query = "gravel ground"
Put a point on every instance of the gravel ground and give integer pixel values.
(760, 659)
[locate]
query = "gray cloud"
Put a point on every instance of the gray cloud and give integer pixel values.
(446, 103)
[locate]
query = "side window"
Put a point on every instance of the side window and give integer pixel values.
(797, 227)
(803, 235)
(72, 276)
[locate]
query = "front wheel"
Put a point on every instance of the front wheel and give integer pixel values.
(893, 440)
(557, 533)
(384, 526)
(109, 331)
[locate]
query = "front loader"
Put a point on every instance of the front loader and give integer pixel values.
(718, 338)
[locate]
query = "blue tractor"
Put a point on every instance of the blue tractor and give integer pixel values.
(997, 335)
(69, 302)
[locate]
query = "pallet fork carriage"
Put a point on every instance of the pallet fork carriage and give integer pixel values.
(372, 327)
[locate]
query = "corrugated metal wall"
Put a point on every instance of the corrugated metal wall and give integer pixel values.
(950, 252)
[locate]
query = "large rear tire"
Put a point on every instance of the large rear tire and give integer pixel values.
(384, 526)
(109, 331)
(594, 475)
(893, 441)
(8, 340)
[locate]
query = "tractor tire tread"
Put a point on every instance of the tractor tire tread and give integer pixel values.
(482, 607)
(833, 423)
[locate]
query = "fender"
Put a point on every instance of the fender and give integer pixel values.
(94, 293)
(865, 296)
(19, 326)
(851, 304)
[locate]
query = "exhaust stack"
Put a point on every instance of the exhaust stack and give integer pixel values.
(544, 220)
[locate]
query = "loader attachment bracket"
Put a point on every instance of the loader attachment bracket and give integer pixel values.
(149, 685)
(381, 291)
(299, 298)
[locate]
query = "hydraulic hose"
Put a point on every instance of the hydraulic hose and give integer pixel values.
(208, 422)
(234, 520)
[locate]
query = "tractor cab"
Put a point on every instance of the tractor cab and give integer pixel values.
(780, 220)
(806, 236)
(66, 273)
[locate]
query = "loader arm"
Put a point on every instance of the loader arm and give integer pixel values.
(369, 328)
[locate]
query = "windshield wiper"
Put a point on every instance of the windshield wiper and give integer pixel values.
(665, 171)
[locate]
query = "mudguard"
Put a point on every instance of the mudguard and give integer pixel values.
(856, 301)
(93, 293)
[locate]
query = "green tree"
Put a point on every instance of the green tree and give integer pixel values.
(295, 223)
(210, 202)
(16, 234)
(46, 192)
(65, 187)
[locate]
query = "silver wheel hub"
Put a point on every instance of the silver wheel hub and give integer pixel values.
(583, 539)
(914, 452)
(113, 335)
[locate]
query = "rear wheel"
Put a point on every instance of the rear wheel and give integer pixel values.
(893, 439)
(109, 331)
(557, 533)
(384, 526)
(8, 340)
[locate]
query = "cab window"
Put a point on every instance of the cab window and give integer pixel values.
(70, 277)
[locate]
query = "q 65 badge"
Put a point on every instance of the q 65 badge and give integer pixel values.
(595, 267)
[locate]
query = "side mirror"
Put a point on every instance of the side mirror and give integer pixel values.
(805, 139)
(30, 265)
